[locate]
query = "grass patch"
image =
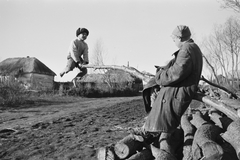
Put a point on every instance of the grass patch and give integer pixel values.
(12, 93)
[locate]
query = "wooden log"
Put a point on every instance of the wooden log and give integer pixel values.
(187, 152)
(197, 119)
(160, 154)
(145, 77)
(163, 155)
(238, 113)
(229, 152)
(188, 128)
(204, 143)
(145, 154)
(189, 131)
(106, 153)
(154, 150)
(219, 119)
(127, 147)
(234, 103)
(227, 110)
(223, 122)
(232, 136)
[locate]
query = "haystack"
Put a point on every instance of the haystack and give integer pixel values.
(112, 83)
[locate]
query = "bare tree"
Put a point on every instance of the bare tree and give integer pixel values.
(215, 57)
(232, 4)
(98, 53)
(212, 67)
(231, 40)
(222, 50)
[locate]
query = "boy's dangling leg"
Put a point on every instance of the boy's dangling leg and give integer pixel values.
(83, 72)
(79, 76)
(69, 67)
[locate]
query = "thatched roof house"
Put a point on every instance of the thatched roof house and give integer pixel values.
(28, 70)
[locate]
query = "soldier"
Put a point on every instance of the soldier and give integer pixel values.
(179, 82)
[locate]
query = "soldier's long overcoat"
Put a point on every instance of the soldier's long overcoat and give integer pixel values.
(178, 83)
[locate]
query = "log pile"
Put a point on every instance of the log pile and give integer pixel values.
(208, 135)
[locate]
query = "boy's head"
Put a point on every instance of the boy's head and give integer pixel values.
(82, 30)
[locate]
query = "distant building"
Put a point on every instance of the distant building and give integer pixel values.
(29, 71)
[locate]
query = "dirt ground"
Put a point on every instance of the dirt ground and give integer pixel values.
(66, 128)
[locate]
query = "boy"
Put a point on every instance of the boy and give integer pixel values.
(78, 54)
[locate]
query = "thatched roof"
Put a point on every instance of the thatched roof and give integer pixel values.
(15, 66)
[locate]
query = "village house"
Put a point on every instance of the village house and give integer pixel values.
(29, 71)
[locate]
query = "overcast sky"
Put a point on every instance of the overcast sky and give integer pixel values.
(134, 31)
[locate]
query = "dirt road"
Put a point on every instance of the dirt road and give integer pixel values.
(66, 127)
(47, 109)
